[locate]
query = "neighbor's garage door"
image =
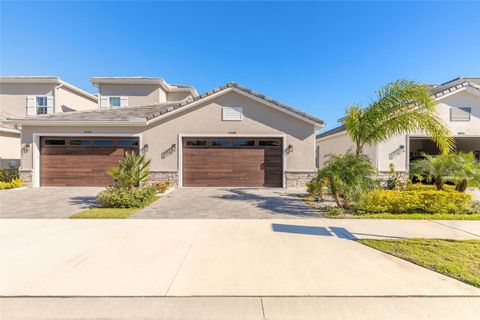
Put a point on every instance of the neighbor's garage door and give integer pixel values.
(79, 161)
(224, 162)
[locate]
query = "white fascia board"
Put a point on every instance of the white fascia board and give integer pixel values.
(30, 79)
(7, 130)
(334, 135)
(232, 89)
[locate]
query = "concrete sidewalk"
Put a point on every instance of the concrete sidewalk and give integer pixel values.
(243, 308)
(162, 257)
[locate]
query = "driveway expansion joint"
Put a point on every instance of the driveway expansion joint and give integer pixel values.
(452, 227)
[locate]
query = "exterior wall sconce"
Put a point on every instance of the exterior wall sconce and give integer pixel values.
(145, 148)
(289, 148)
(402, 147)
(173, 147)
(26, 148)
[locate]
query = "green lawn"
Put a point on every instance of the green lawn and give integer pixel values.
(459, 259)
(105, 213)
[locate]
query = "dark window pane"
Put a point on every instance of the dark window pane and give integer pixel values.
(55, 142)
(221, 143)
(127, 143)
(80, 142)
(103, 143)
(196, 142)
(244, 143)
(269, 143)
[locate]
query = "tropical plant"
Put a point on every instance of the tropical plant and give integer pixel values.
(400, 107)
(437, 169)
(347, 176)
(466, 171)
(132, 171)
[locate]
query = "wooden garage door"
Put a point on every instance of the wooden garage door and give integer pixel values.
(232, 162)
(73, 161)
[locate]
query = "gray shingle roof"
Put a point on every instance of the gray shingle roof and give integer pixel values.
(330, 132)
(149, 112)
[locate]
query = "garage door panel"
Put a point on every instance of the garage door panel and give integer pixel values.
(78, 165)
(253, 166)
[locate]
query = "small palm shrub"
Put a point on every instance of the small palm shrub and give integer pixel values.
(115, 197)
(466, 171)
(414, 201)
(133, 170)
(436, 169)
(347, 177)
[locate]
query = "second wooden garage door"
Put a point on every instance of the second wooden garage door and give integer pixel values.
(73, 161)
(232, 162)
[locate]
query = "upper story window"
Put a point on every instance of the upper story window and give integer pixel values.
(114, 102)
(460, 114)
(41, 105)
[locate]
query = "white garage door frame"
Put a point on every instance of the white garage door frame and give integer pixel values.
(38, 136)
(181, 136)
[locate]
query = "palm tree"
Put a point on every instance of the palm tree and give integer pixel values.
(348, 176)
(466, 171)
(438, 169)
(133, 170)
(400, 107)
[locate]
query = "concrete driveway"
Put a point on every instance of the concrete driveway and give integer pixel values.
(45, 203)
(202, 257)
(229, 203)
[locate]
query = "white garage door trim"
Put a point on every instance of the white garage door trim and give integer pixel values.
(36, 146)
(223, 135)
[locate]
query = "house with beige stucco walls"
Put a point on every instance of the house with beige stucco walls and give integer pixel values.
(458, 106)
(229, 136)
(34, 95)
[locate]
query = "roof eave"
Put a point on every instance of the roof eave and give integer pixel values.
(92, 123)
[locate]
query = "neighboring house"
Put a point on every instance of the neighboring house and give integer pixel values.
(117, 92)
(229, 136)
(30, 96)
(458, 106)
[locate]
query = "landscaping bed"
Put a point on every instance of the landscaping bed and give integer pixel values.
(459, 259)
(105, 213)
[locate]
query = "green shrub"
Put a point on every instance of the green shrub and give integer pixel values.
(424, 187)
(314, 188)
(15, 183)
(162, 186)
(427, 201)
(335, 211)
(115, 197)
(7, 174)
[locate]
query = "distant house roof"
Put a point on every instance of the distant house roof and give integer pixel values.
(142, 115)
(144, 80)
(47, 79)
(437, 91)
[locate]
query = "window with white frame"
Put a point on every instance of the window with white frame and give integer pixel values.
(42, 104)
(460, 114)
(114, 102)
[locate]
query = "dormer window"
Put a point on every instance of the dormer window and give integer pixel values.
(114, 102)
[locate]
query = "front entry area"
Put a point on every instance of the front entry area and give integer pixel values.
(420, 145)
(232, 162)
(81, 161)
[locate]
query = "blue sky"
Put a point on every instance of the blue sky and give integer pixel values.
(317, 56)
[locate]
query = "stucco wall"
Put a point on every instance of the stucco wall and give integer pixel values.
(138, 94)
(13, 96)
(68, 100)
(9, 148)
(178, 96)
(462, 99)
(338, 144)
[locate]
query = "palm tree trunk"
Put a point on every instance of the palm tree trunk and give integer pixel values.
(439, 183)
(462, 186)
(359, 149)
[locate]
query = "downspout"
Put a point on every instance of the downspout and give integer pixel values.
(55, 96)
